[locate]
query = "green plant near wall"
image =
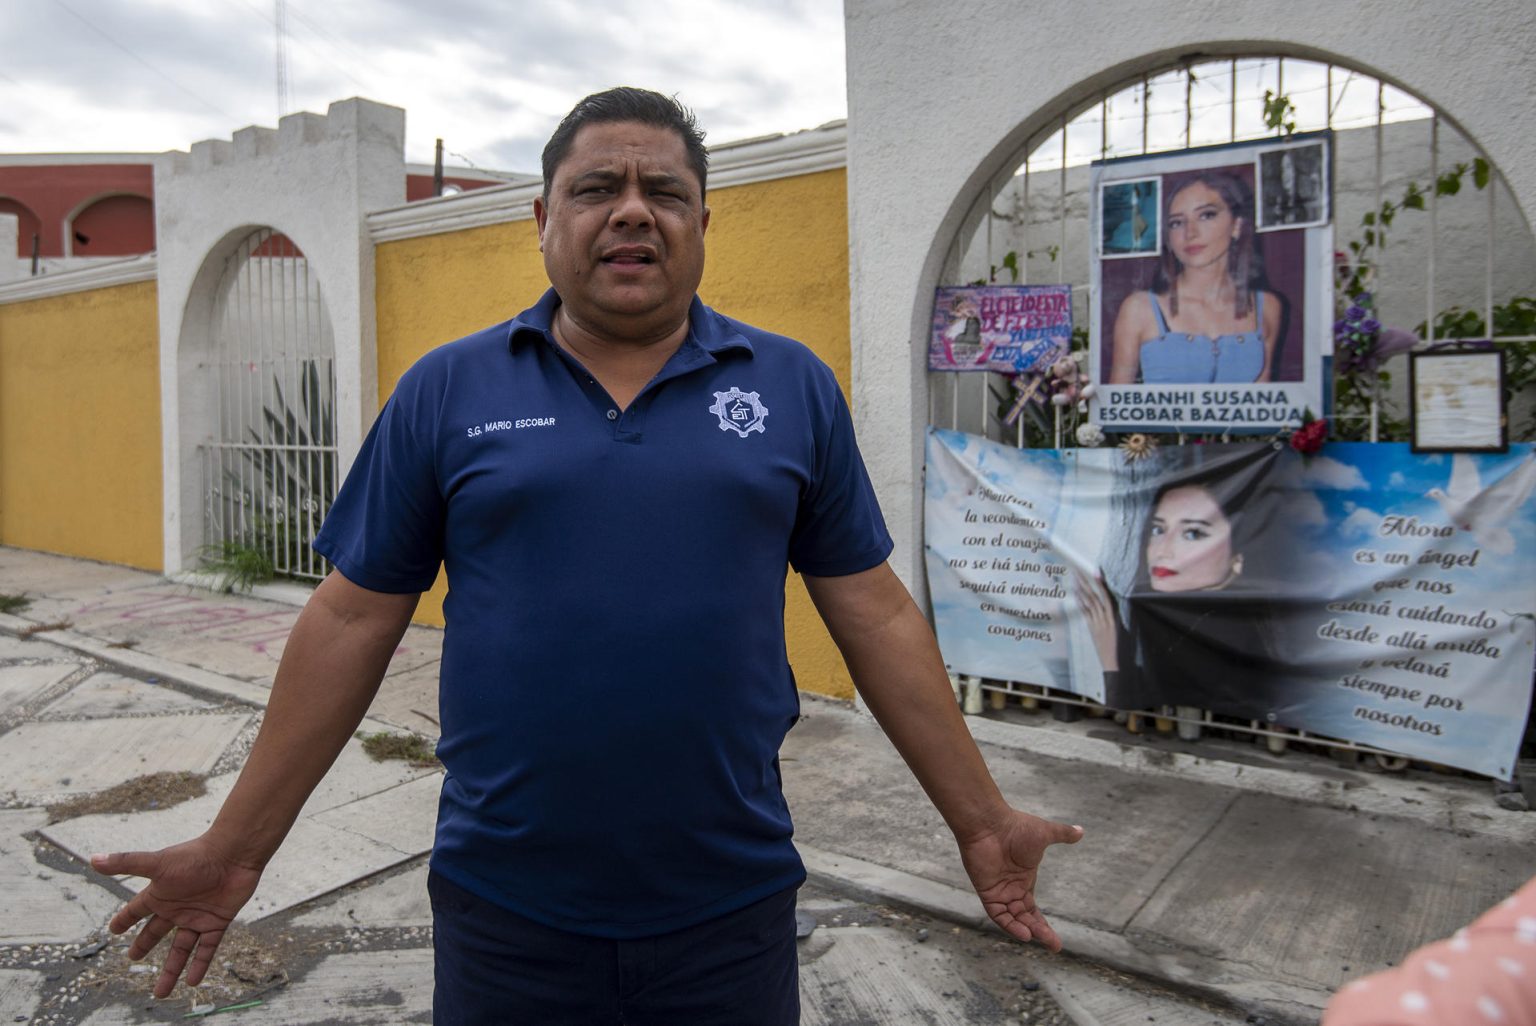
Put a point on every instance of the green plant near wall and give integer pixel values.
(1011, 264)
(235, 565)
(1279, 112)
(292, 461)
(1359, 385)
(13, 604)
(1517, 318)
(295, 465)
(1375, 223)
(1356, 388)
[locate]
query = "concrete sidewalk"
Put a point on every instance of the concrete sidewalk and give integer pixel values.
(1260, 880)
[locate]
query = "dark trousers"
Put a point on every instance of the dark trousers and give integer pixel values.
(496, 968)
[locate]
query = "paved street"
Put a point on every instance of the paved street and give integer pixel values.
(1250, 885)
(340, 930)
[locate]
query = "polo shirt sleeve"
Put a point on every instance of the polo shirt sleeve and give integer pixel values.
(385, 530)
(838, 529)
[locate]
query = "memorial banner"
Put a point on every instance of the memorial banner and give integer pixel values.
(1213, 285)
(1004, 328)
(1364, 593)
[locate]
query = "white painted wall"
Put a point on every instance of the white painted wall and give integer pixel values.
(941, 96)
(314, 179)
(11, 269)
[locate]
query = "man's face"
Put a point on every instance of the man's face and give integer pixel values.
(623, 230)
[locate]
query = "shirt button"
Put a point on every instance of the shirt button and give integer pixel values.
(613, 414)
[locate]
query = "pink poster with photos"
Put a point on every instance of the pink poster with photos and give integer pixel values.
(1004, 328)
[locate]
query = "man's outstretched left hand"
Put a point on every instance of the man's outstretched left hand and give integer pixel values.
(1002, 864)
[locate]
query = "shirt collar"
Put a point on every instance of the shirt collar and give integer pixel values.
(707, 329)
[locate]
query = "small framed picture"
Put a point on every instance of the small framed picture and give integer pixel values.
(1131, 218)
(1456, 401)
(1292, 185)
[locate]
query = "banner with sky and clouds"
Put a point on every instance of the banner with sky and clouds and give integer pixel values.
(1364, 593)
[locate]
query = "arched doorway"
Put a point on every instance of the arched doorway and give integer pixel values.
(1421, 218)
(28, 227)
(269, 463)
(120, 225)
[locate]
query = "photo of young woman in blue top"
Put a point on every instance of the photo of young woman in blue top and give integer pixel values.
(1209, 316)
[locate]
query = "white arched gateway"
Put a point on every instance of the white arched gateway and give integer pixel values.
(944, 104)
(265, 389)
(972, 136)
(269, 469)
(1421, 220)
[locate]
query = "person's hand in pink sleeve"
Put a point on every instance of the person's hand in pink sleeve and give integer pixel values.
(1485, 973)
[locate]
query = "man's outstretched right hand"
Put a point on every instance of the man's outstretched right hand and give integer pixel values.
(193, 890)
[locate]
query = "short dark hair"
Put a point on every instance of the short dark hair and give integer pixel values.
(626, 103)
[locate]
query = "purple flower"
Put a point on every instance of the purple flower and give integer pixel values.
(1370, 326)
(1354, 313)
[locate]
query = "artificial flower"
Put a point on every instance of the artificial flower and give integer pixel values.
(1090, 435)
(1309, 438)
(1138, 446)
(1066, 381)
(1361, 343)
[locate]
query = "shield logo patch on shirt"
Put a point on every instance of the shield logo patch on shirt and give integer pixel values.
(741, 412)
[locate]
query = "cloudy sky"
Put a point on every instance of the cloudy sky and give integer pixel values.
(491, 77)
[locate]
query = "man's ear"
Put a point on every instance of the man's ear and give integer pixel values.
(540, 217)
(704, 224)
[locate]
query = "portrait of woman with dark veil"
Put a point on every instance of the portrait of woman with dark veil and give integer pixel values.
(1197, 622)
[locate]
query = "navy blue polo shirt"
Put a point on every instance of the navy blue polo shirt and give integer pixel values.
(615, 686)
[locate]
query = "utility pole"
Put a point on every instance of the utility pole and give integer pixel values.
(282, 56)
(437, 170)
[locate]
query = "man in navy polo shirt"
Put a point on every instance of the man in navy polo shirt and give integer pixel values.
(615, 482)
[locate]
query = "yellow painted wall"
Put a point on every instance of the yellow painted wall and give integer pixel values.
(437, 288)
(80, 425)
(777, 258)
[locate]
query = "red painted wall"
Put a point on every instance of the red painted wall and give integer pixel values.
(113, 205)
(420, 186)
(52, 192)
(27, 223)
(115, 226)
